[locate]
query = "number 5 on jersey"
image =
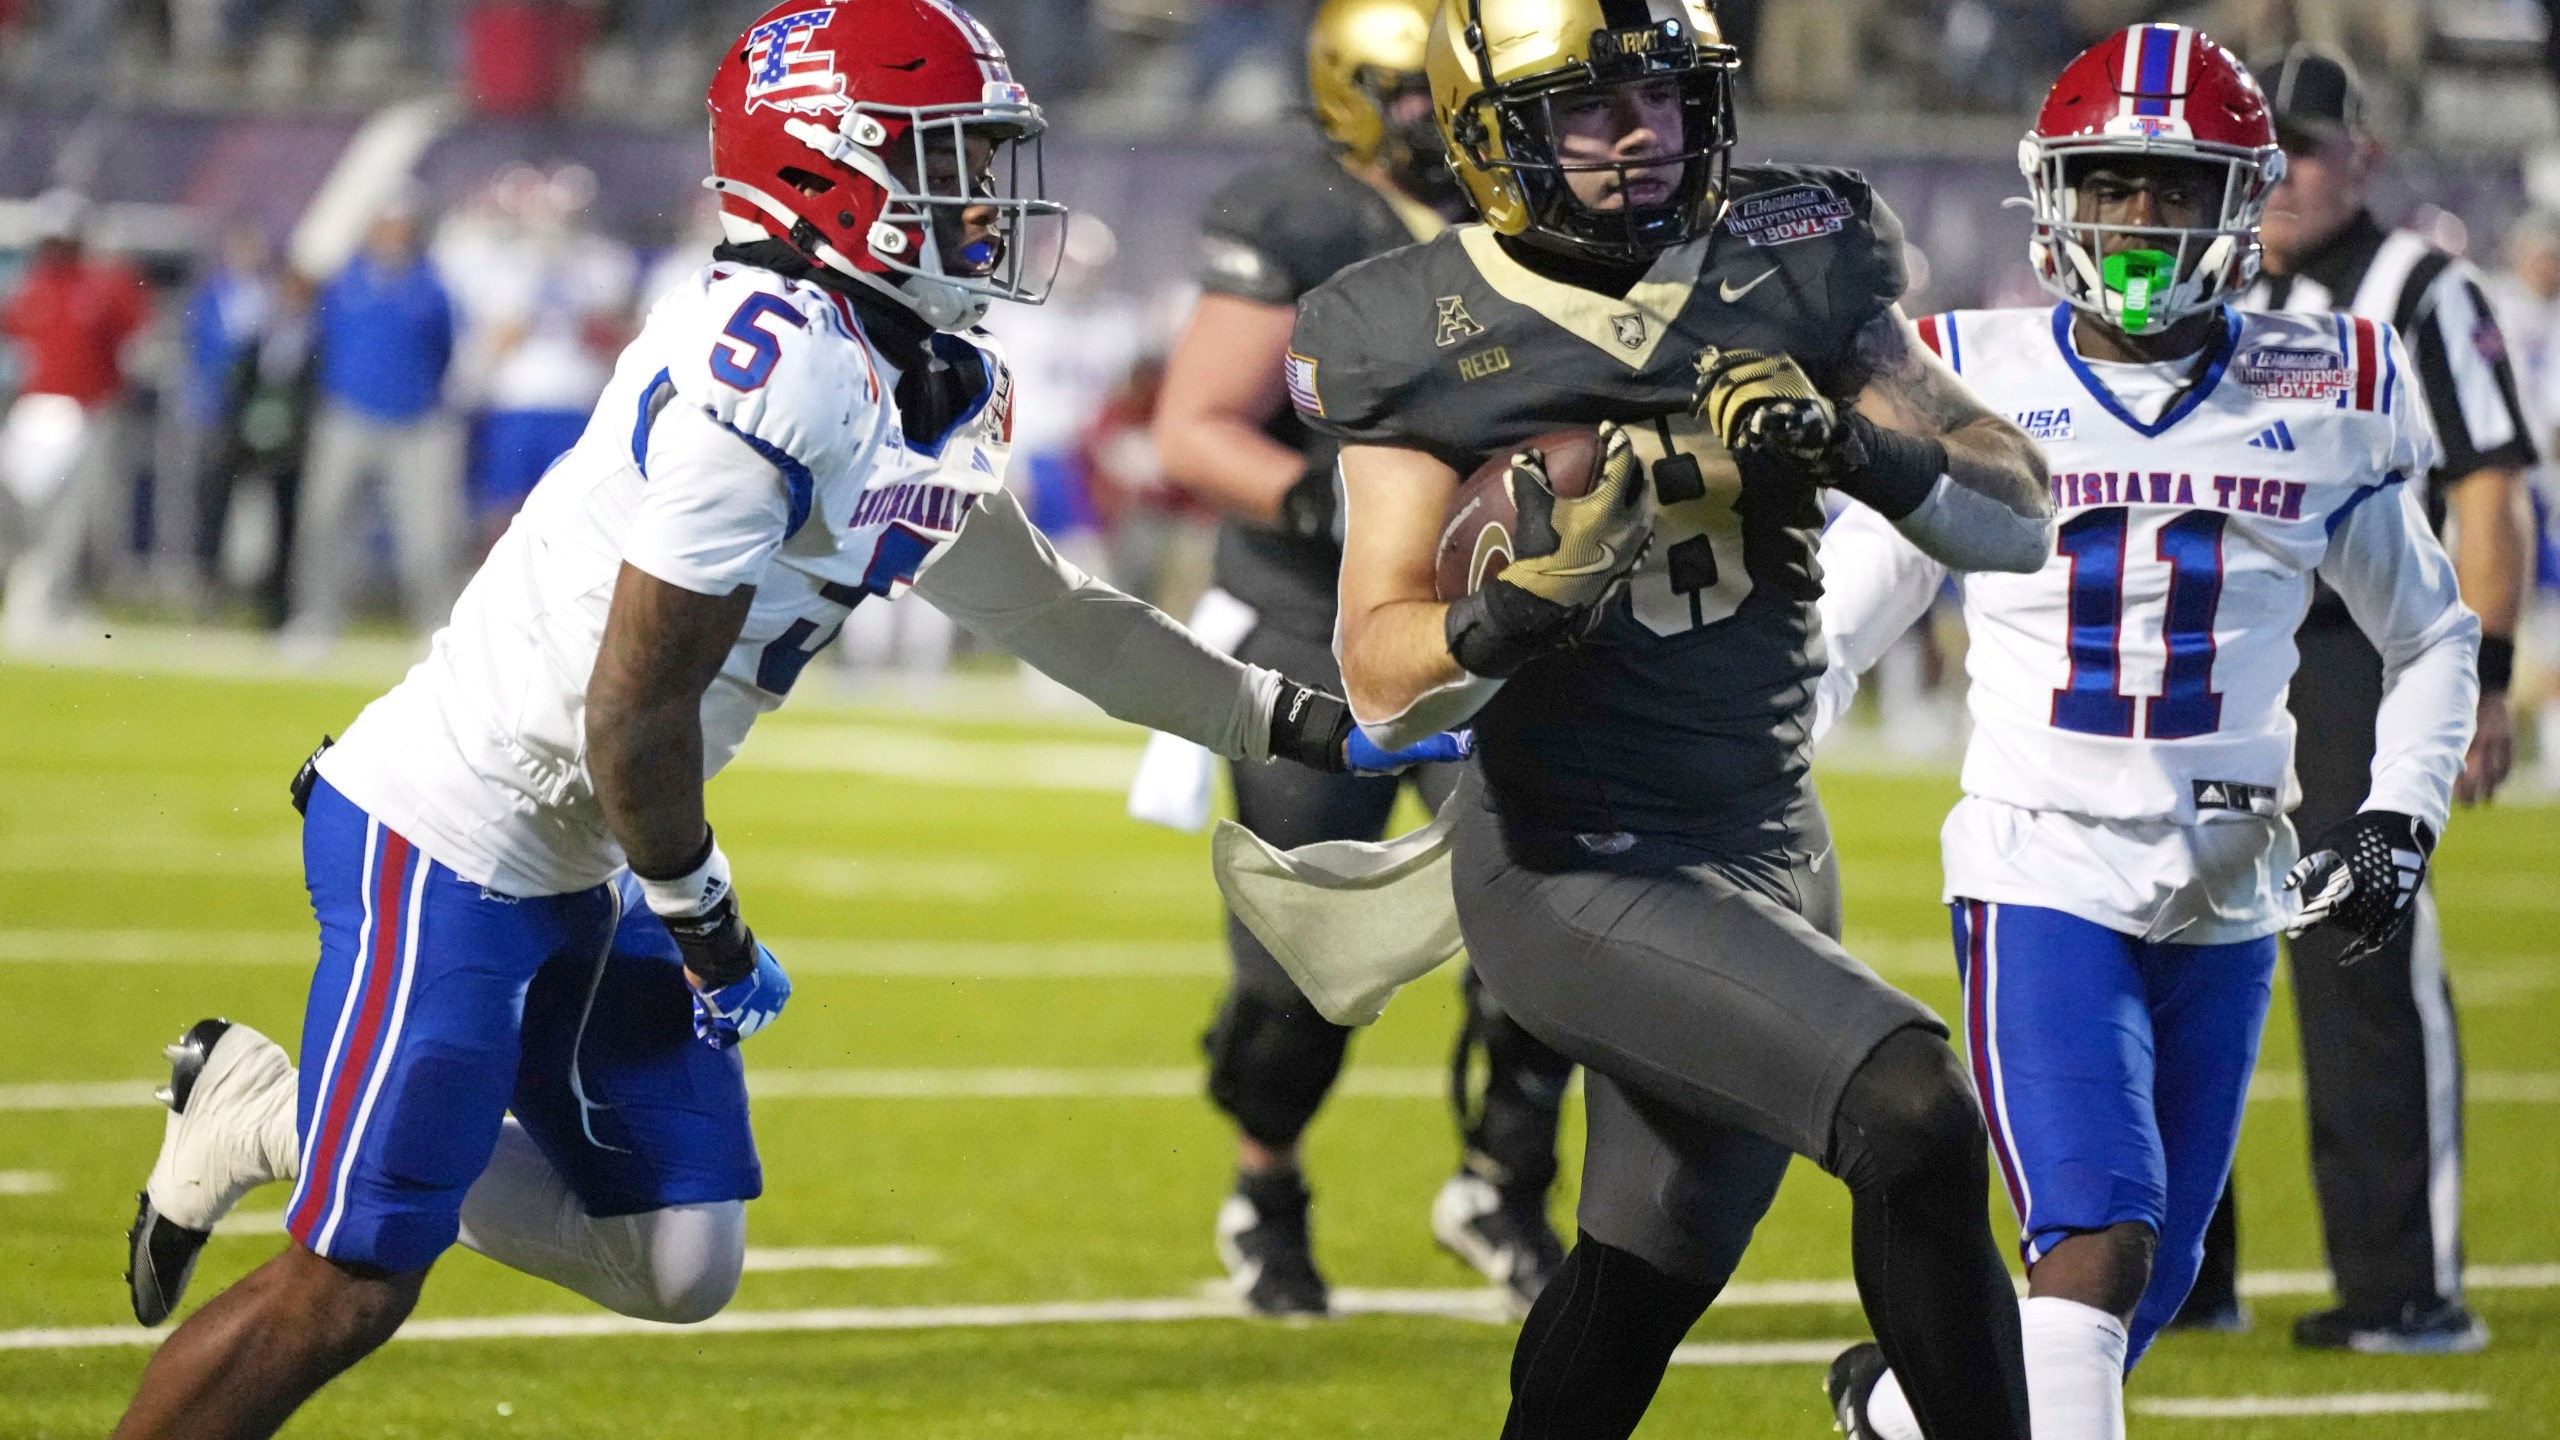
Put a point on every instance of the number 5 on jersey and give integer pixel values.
(749, 368)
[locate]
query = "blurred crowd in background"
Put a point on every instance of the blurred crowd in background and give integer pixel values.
(1141, 62)
(302, 296)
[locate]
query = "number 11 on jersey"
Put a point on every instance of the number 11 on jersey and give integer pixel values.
(2093, 702)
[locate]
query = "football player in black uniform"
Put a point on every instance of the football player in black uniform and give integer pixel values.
(1642, 871)
(1226, 433)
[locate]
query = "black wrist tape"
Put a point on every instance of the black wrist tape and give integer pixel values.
(2497, 664)
(1310, 727)
(1898, 470)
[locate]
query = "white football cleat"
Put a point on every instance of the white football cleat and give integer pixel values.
(231, 1097)
(1508, 1242)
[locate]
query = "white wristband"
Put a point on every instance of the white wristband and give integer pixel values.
(692, 893)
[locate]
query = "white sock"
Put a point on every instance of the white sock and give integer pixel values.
(1889, 1414)
(680, 1264)
(2075, 1369)
(2075, 1376)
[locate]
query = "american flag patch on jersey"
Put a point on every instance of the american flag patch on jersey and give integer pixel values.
(1301, 373)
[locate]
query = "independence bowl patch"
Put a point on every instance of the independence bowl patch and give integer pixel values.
(1783, 217)
(2274, 374)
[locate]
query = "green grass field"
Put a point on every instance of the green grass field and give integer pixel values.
(960, 895)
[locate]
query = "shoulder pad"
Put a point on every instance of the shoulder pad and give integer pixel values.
(777, 360)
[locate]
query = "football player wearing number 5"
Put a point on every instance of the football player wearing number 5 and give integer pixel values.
(812, 421)
(1642, 872)
(2121, 861)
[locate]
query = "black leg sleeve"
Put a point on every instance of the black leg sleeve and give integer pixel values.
(1911, 1145)
(1594, 1347)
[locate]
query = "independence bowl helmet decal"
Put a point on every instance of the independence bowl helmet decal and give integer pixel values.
(2149, 91)
(1497, 69)
(827, 123)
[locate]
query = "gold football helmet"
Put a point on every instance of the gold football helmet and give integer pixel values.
(1497, 68)
(1361, 56)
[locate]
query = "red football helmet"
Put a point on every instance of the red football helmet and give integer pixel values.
(844, 128)
(2150, 90)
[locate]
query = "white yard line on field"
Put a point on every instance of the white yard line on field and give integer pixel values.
(28, 1182)
(1167, 1082)
(2265, 1407)
(841, 1257)
(1759, 1352)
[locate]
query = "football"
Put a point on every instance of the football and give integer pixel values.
(1476, 540)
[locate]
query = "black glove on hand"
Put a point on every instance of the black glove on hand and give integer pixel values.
(1766, 404)
(1311, 728)
(1568, 557)
(1309, 509)
(699, 907)
(2362, 876)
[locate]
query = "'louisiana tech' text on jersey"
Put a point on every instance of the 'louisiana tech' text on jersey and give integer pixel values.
(2139, 678)
(479, 754)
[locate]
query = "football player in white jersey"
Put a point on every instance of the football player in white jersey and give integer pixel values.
(2121, 862)
(518, 893)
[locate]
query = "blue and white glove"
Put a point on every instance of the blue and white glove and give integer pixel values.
(725, 1016)
(1447, 747)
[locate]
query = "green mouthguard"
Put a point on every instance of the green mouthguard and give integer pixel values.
(2140, 278)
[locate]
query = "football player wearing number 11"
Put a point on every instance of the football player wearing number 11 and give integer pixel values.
(2121, 862)
(491, 1053)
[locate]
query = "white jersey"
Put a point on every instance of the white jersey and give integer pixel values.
(2134, 688)
(750, 436)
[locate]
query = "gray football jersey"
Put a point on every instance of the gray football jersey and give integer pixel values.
(1269, 236)
(1687, 711)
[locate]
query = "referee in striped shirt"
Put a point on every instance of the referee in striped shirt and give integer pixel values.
(2382, 1066)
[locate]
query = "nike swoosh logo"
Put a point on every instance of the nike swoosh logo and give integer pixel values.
(1729, 292)
(1608, 557)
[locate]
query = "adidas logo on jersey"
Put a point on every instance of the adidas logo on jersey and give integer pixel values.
(2274, 437)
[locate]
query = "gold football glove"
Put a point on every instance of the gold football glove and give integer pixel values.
(1756, 401)
(1569, 555)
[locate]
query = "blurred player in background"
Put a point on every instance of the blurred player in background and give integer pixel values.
(1227, 434)
(2382, 1058)
(813, 422)
(2114, 867)
(1641, 869)
(70, 319)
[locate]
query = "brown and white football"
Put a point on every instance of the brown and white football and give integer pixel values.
(1476, 541)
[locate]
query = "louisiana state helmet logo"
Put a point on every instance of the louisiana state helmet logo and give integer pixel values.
(783, 71)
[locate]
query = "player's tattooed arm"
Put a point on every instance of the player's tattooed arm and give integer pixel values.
(1908, 388)
(663, 646)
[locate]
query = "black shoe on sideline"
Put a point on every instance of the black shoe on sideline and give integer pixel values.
(1852, 1379)
(2443, 1327)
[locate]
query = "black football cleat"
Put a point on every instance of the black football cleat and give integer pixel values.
(1507, 1239)
(161, 1253)
(1263, 1242)
(1852, 1379)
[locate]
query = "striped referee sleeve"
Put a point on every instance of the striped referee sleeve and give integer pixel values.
(2462, 361)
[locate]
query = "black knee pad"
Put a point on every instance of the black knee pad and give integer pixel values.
(1271, 1062)
(1908, 1110)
